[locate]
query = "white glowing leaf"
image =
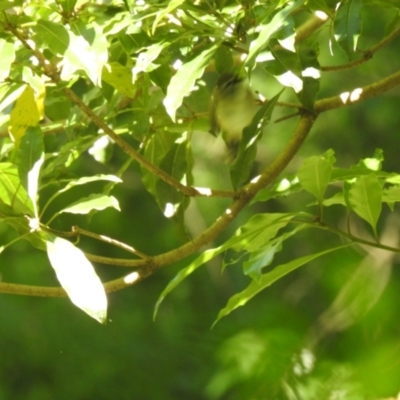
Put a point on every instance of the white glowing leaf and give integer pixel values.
(78, 277)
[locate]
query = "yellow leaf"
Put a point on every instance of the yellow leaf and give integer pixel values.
(25, 113)
(119, 77)
(38, 86)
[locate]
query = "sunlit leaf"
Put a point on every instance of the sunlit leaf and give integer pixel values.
(9, 93)
(12, 193)
(144, 62)
(93, 202)
(373, 163)
(284, 187)
(96, 56)
(171, 6)
(7, 57)
(78, 277)
(30, 160)
(182, 83)
(89, 179)
(365, 197)
(266, 31)
(315, 174)
(347, 26)
(54, 35)
(320, 5)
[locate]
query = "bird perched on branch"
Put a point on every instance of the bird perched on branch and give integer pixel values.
(233, 107)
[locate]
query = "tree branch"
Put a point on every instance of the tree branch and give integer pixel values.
(367, 54)
(152, 264)
(358, 94)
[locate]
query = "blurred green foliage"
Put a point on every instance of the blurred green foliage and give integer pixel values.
(303, 338)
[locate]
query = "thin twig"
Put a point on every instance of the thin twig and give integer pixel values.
(367, 54)
(80, 231)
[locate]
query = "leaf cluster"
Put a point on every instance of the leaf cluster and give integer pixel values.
(86, 78)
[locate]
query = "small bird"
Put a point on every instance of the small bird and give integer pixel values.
(233, 107)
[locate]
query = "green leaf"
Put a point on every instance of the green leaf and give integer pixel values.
(183, 82)
(144, 62)
(391, 194)
(57, 105)
(24, 113)
(9, 93)
(67, 5)
(247, 151)
(96, 56)
(284, 187)
(258, 231)
(12, 193)
(315, 174)
(373, 163)
(57, 162)
(255, 287)
(162, 75)
(347, 26)
(7, 4)
(337, 198)
(77, 277)
(286, 67)
(223, 59)
(83, 181)
(7, 57)
(156, 149)
(250, 237)
(25, 229)
(307, 51)
(93, 202)
(89, 179)
(30, 160)
(175, 164)
(171, 6)
(365, 197)
(260, 259)
(120, 78)
(266, 31)
(54, 35)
